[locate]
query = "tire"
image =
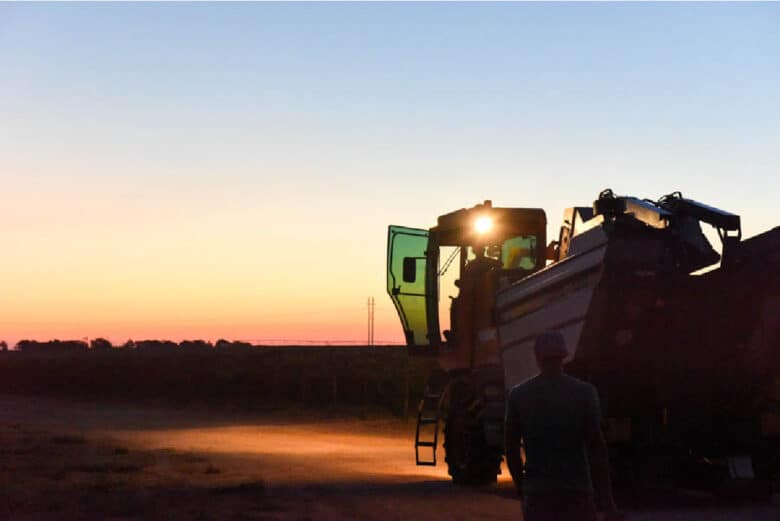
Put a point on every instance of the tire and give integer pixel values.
(470, 460)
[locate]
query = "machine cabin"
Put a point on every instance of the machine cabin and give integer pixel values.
(472, 252)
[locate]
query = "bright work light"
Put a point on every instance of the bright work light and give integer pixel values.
(483, 224)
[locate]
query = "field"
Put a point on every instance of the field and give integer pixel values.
(280, 434)
(344, 378)
(64, 460)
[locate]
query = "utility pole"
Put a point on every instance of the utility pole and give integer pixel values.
(371, 305)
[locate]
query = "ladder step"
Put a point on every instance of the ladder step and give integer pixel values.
(428, 417)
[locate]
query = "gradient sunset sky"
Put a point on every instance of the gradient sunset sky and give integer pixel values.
(229, 170)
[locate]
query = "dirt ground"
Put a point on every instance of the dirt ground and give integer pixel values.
(64, 460)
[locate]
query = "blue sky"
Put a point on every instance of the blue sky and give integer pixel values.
(169, 130)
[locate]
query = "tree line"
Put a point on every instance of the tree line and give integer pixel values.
(103, 345)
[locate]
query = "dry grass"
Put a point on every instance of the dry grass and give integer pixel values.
(66, 476)
(68, 439)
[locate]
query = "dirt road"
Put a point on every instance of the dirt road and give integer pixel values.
(62, 460)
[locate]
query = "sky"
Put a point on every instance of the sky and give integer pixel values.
(229, 170)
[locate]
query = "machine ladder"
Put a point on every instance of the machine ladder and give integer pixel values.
(428, 416)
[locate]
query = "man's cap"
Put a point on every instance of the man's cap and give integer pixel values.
(550, 344)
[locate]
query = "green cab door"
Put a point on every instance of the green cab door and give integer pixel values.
(406, 274)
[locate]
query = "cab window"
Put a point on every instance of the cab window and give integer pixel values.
(519, 252)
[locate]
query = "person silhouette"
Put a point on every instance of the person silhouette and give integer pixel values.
(556, 418)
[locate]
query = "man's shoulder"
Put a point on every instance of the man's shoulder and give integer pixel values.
(571, 381)
(537, 381)
(519, 391)
(525, 385)
(537, 385)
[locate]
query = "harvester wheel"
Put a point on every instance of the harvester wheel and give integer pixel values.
(470, 460)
